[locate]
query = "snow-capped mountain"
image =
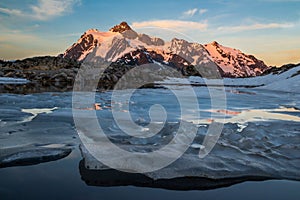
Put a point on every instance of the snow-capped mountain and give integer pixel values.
(234, 62)
(123, 45)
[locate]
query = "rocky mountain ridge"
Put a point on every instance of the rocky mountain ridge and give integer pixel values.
(121, 41)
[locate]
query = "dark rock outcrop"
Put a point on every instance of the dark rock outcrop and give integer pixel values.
(86, 43)
(123, 26)
(279, 70)
(42, 72)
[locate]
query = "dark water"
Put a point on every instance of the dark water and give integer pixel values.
(61, 180)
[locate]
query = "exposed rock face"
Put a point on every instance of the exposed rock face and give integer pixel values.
(123, 26)
(280, 70)
(1, 62)
(150, 41)
(86, 43)
(129, 34)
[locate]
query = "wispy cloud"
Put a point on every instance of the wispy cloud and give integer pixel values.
(47, 9)
(177, 25)
(44, 9)
(189, 13)
(14, 12)
(257, 26)
(192, 12)
(202, 11)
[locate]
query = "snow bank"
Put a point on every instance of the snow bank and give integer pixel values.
(287, 81)
(8, 80)
(290, 84)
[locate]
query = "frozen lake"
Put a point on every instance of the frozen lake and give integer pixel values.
(260, 140)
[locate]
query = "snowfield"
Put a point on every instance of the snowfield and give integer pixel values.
(288, 81)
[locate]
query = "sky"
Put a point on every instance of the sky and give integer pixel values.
(268, 29)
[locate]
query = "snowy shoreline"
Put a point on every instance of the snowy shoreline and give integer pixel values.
(8, 80)
(288, 81)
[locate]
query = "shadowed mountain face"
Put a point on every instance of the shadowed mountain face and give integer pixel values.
(122, 44)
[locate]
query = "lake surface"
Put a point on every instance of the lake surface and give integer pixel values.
(260, 141)
(61, 180)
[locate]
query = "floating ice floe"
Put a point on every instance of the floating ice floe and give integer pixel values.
(32, 154)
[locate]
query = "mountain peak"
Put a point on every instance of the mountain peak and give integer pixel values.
(215, 43)
(123, 26)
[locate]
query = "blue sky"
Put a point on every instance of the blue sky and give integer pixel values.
(269, 29)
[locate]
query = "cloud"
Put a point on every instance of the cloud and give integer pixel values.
(47, 9)
(202, 11)
(257, 26)
(14, 12)
(192, 12)
(44, 9)
(172, 24)
(189, 13)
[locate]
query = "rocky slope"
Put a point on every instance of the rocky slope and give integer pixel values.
(44, 73)
(58, 74)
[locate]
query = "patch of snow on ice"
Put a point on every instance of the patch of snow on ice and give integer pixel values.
(36, 111)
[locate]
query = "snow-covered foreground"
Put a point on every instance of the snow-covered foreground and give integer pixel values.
(7, 80)
(288, 81)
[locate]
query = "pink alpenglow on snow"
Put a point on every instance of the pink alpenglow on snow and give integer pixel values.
(123, 43)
